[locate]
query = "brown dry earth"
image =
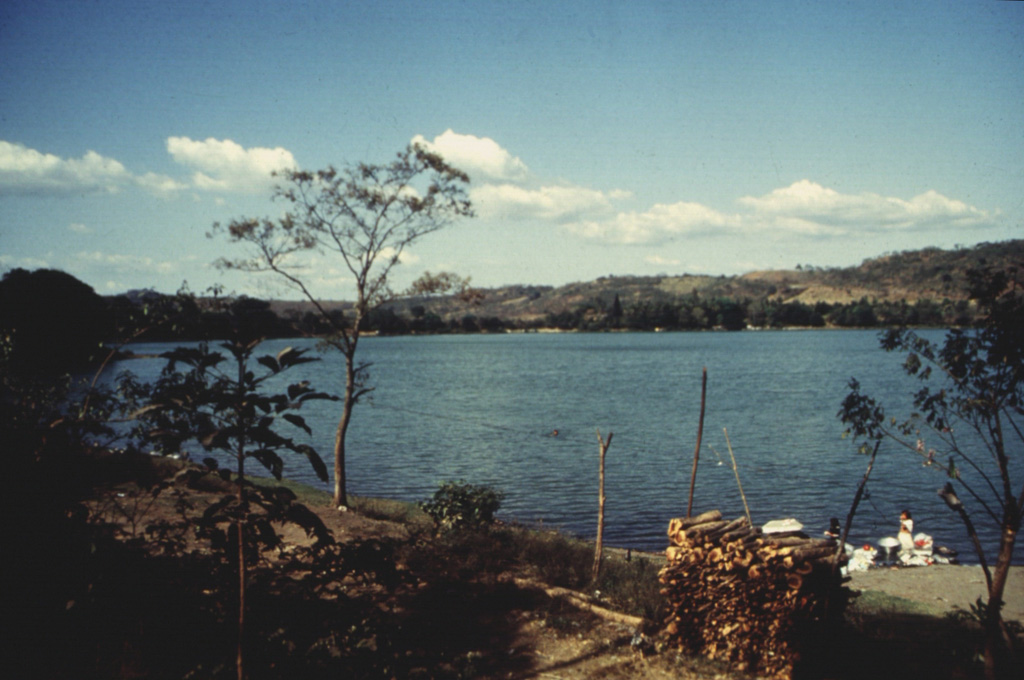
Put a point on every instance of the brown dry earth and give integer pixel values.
(540, 640)
(942, 588)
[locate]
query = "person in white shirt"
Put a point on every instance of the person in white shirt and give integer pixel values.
(906, 535)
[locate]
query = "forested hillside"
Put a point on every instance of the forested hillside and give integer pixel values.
(926, 287)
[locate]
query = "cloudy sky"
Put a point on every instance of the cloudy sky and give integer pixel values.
(601, 137)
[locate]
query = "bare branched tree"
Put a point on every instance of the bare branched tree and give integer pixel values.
(365, 215)
(968, 422)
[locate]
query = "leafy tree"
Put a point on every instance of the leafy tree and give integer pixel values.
(366, 215)
(859, 314)
(445, 283)
(795, 314)
(52, 322)
(428, 323)
(385, 320)
(615, 313)
(971, 425)
(758, 312)
(49, 427)
(491, 324)
(227, 410)
(731, 314)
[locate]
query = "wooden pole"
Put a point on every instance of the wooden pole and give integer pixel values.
(700, 434)
(737, 473)
(599, 548)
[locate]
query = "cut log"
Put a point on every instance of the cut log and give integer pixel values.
(686, 522)
(743, 535)
(809, 553)
(704, 530)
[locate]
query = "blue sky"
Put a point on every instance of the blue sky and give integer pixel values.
(601, 138)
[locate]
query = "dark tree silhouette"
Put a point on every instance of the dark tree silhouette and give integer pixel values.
(50, 322)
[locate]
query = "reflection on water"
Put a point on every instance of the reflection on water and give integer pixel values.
(481, 408)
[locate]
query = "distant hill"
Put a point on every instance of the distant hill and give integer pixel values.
(912, 275)
(909, 276)
(925, 287)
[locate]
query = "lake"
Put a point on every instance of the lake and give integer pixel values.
(481, 408)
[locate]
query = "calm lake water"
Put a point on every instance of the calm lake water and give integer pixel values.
(481, 408)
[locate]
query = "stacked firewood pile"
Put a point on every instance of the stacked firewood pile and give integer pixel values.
(742, 596)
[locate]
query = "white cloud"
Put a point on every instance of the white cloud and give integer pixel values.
(659, 224)
(161, 185)
(11, 262)
(224, 165)
(508, 201)
(27, 171)
(404, 258)
(79, 228)
(803, 208)
(508, 192)
(809, 208)
(662, 261)
(122, 262)
(474, 155)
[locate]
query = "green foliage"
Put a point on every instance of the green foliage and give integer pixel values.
(968, 421)
(197, 400)
(980, 372)
(227, 410)
(51, 322)
(978, 613)
(47, 434)
(458, 506)
(932, 280)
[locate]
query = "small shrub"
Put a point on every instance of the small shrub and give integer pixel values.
(457, 506)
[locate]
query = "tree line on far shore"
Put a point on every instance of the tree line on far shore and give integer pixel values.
(692, 313)
(49, 313)
(695, 312)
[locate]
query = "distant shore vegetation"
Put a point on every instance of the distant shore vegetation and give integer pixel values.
(48, 313)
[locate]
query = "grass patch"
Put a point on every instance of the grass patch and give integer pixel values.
(875, 603)
(402, 512)
(304, 493)
(405, 512)
(552, 557)
(555, 559)
(631, 585)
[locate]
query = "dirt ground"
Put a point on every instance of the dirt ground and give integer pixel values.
(524, 632)
(548, 639)
(943, 588)
(594, 648)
